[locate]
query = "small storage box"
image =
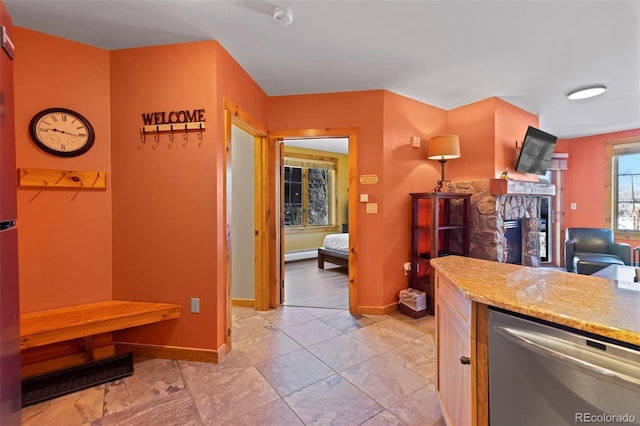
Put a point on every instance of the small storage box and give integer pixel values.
(406, 310)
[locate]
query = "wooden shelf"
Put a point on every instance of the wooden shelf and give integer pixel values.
(439, 227)
(42, 178)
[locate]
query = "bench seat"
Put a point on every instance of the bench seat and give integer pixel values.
(71, 322)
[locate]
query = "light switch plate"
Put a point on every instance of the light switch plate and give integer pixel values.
(372, 207)
(195, 305)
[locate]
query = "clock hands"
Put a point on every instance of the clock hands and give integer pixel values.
(64, 132)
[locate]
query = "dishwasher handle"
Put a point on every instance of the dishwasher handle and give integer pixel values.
(520, 339)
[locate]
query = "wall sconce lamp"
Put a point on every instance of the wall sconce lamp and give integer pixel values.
(443, 148)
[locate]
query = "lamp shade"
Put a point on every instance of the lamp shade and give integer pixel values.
(444, 147)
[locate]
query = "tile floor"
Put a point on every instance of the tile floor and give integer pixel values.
(291, 366)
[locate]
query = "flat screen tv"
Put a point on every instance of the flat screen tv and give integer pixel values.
(537, 150)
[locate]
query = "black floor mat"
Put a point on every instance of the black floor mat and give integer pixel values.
(51, 385)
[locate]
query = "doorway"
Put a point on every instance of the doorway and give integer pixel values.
(277, 192)
(314, 183)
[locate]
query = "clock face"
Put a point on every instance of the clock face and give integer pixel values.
(61, 132)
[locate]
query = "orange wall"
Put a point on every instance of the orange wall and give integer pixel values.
(167, 207)
(585, 177)
(386, 122)
(405, 169)
(362, 110)
(488, 130)
(65, 235)
(475, 125)
(511, 126)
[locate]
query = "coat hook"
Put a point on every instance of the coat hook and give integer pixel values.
(185, 136)
(157, 135)
(171, 137)
(143, 136)
(200, 132)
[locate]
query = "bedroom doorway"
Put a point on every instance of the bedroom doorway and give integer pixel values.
(315, 182)
(278, 137)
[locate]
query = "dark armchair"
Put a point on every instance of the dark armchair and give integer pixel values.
(588, 250)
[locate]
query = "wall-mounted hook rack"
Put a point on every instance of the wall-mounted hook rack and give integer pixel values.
(177, 127)
(156, 129)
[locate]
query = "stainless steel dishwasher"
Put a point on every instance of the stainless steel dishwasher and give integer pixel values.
(545, 375)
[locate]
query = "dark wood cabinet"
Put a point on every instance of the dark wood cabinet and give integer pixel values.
(439, 227)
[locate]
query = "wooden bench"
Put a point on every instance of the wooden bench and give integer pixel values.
(87, 321)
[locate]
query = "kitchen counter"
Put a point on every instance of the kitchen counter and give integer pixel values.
(601, 306)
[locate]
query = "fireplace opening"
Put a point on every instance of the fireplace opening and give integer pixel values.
(513, 237)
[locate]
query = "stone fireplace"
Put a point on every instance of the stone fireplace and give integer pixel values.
(495, 202)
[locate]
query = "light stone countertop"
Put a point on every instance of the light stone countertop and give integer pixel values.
(598, 305)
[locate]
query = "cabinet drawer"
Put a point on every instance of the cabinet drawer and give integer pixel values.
(460, 305)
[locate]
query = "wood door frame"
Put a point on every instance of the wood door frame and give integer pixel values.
(275, 255)
(233, 115)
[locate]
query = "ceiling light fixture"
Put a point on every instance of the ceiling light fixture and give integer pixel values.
(283, 16)
(587, 92)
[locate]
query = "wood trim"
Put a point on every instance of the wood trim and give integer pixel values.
(233, 115)
(173, 352)
(481, 375)
(61, 179)
(353, 222)
(57, 325)
(65, 361)
(308, 133)
(244, 303)
(378, 310)
(352, 134)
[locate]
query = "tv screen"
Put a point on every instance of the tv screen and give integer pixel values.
(537, 150)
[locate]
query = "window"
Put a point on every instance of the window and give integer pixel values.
(309, 192)
(625, 162)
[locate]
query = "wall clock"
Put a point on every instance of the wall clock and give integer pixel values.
(61, 132)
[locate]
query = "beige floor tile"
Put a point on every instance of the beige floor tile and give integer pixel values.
(384, 419)
(286, 316)
(293, 371)
(333, 401)
(420, 409)
(345, 321)
(252, 326)
(384, 380)
(418, 356)
(322, 312)
(176, 409)
(386, 335)
(342, 352)
(266, 346)
(294, 351)
(79, 408)
(276, 413)
(310, 332)
(228, 394)
(152, 378)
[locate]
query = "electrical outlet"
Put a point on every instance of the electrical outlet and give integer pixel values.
(195, 305)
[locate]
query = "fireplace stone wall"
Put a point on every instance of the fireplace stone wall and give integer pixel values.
(489, 211)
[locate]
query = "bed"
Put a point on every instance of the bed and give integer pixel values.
(335, 249)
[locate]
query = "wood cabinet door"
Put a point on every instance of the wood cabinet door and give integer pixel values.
(454, 377)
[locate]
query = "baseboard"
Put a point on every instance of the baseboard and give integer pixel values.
(378, 310)
(300, 255)
(243, 303)
(173, 352)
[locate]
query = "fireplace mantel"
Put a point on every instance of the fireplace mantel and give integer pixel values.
(520, 187)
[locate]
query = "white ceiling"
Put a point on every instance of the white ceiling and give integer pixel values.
(445, 53)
